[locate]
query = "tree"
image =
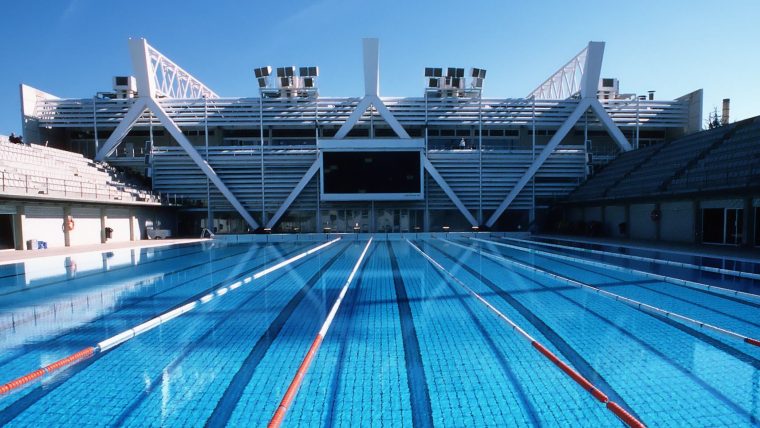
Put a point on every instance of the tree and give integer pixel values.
(713, 120)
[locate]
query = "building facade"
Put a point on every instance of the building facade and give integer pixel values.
(241, 164)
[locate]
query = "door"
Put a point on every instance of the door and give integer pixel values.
(6, 231)
(723, 226)
(734, 225)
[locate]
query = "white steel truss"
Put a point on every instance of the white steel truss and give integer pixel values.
(163, 77)
(565, 82)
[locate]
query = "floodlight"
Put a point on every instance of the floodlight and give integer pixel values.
(290, 71)
(303, 71)
(455, 82)
(308, 82)
(284, 82)
(478, 72)
(438, 72)
(433, 82)
(262, 82)
(280, 71)
(428, 72)
(451, 72)
(460, 72)
(262, 71)
(477, 82)
(314, 71)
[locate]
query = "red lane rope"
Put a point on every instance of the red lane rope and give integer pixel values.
(290, 393)
(292, 390)
(23, 380)
(641, 306)
(124, 336)
(577, 377)
(615, 408)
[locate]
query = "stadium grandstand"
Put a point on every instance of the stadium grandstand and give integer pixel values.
(287, 159)
(700, 188)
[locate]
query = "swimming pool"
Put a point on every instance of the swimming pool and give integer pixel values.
(414, 342)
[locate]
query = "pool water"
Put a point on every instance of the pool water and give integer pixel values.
(408, 347)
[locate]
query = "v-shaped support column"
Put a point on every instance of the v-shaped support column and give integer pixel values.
(296, 191)
(122, 129)
(154, 107)
(174, 130)
(367, 102)
(583, 105)
(580, 109)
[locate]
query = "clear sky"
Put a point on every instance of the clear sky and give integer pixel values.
(73, 48)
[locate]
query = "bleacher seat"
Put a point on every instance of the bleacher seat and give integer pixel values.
(39, 170)
(725, 157)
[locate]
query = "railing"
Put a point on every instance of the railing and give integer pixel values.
(335, 111)
(28, 184)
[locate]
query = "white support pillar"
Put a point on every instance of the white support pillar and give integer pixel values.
(592, 69)
(389, 118)
(371, 50)
(354, 117)
(610, 126)
(581, 108)
(103, 221)
(295, 192)
(175, 132)
(446, 189)
(122, 129)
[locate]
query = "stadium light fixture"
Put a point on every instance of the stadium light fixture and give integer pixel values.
(262, 76)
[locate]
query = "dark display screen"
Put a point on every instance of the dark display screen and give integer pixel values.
(371, 172)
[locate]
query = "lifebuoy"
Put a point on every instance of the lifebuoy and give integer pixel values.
(69, 223)
(655, 215)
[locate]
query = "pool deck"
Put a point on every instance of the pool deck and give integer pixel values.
(17, 256)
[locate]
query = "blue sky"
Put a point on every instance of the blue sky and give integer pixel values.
(73, 48)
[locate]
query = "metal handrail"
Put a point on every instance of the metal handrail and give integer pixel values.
(70, 188)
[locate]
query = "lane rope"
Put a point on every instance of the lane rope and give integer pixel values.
(615, 408)
(290, 393)
(684, 265)
(644, 307)
(645, 248)
(152, 323)
(665, 278)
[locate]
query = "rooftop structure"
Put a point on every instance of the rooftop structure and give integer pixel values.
(259, 161)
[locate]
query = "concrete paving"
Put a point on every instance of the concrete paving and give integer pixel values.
(16, 256)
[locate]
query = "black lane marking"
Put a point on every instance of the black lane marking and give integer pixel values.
(133, 302)
(422, 412)
(676, 365)
(188, 348)
(226, 404)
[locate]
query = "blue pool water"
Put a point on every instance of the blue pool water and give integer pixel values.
(408, 347)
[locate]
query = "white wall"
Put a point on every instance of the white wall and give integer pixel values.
(613, 216)
(642, 226)
(87, 226)
(118, 220)
(677, 221)
(593, 214)
(44, 224)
